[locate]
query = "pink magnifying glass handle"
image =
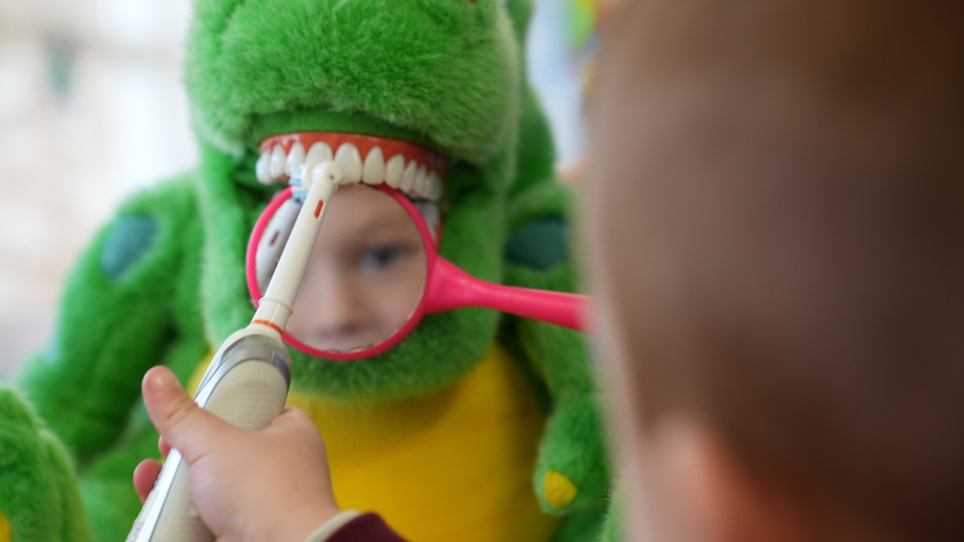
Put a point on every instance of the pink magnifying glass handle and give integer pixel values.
(447, 287)
(451, 288)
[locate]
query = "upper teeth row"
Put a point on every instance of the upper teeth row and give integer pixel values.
(412, 178)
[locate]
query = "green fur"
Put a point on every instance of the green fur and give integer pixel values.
(584, 524)
(447, 74)
(445, 69)
(613, 527)
(37, 480)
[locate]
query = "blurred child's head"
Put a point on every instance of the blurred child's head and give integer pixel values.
(777, 235)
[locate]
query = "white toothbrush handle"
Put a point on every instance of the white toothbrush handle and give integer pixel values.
(246, 385)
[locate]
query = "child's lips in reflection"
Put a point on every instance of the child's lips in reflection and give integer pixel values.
(343, 340)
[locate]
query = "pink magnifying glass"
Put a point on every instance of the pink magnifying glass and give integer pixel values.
(374, 273)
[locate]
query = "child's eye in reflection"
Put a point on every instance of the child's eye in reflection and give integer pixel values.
(377, 258)
(382, 257)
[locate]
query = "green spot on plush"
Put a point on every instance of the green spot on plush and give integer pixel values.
(130, 238)
(165, 282)
(539, 245)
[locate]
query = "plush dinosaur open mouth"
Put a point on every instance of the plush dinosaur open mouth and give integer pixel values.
(416, 171)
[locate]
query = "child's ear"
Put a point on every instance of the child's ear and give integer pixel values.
(696, 488)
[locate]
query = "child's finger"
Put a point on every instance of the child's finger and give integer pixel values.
(144, 476)
(291, 416)
(293, 419)
(183, 424)
(163, 447)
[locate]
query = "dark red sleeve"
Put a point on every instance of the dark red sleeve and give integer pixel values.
(367, 528)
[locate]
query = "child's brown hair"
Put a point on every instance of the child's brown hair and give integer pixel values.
(780, 196)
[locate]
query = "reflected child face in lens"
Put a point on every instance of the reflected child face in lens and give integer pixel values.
(365, 276)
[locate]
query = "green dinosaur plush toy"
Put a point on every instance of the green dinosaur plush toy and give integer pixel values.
(486, 423)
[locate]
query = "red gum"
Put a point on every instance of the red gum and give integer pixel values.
(390, 147)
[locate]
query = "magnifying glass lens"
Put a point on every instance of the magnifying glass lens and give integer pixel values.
(366, 275)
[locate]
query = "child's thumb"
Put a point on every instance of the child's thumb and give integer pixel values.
(185, 426)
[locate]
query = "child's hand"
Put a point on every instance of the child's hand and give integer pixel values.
(271, 484)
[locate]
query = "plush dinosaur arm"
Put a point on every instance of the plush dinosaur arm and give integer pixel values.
(115, 321)
(572, 470)
(39, 497)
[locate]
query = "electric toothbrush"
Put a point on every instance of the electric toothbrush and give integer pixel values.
(247, 381)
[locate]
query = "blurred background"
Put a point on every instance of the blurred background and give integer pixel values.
(92, 108)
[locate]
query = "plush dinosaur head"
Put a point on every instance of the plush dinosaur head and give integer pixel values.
(444, 76)
(438, 72)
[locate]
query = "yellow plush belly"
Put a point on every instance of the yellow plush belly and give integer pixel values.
(456, 465)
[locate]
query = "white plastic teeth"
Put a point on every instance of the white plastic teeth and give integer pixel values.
(276, 164)
(412, 178)
(296, 158)
(430, 212)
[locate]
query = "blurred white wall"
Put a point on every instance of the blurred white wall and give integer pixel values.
(91, 108)
(557, 71)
